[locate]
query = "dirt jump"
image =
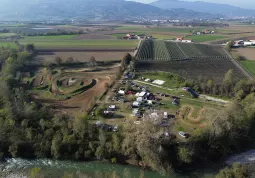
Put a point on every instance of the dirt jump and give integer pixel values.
(73, 92)
(186, 116)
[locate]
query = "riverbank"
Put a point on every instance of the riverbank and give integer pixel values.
(20, 168)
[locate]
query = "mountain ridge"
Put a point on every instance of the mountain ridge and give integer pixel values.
(201, 6)
(88, 9)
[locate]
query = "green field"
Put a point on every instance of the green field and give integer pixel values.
(155, 29)
(161, 36)
(58, 37)
(203, 38)
(2, 35)
(249, 65)
(169, 82)
(88, 44)
(8, 44)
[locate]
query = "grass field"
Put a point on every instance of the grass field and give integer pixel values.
(59, 37)
(8, 44)
(169, 82)
(203, 38)
(154, 29)
(7, 34)
(88, 44)
(162, 36)
(249, 65)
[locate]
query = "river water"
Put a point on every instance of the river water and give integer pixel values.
(21, 168)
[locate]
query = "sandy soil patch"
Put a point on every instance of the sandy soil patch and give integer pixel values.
(248, 53)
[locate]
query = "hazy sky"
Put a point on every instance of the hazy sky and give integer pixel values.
(240, 3)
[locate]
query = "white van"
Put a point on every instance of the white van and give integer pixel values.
(165, 115)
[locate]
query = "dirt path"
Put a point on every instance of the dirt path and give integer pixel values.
(82, 101)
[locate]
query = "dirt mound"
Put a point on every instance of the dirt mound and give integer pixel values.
(185, 116)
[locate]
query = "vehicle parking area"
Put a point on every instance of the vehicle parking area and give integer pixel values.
(179, 112)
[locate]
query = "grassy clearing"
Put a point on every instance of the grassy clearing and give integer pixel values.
(162, 36)
(170, 82)
(203, 38)
(89, 44)
(249, 65)
(155, 29)
(58, 37)
(7, 34)
(8, 44)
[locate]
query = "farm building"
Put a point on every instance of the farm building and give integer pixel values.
(187, 41)
(183, 40)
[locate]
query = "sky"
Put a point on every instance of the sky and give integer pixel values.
(240, 3)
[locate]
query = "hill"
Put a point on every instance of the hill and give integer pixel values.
(88, 9)
(200, 6)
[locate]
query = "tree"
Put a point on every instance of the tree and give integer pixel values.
(185, 154)
(209, 85)
(30, 48)
(132, 65)
(229, 45)
(92, 61)
(70, 60)
(116, 142)
(99, 152)
(228, 81)
(235, 171)
(127, 59)
(55, 146)
(58, 60)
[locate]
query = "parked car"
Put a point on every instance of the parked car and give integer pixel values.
(183, 134)
(122, 100)
(115, 128)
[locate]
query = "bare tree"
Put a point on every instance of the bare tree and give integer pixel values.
(58, 60)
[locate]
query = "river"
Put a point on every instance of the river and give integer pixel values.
(21, 168)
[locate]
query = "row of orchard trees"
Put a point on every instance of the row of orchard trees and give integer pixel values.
(70, 60)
